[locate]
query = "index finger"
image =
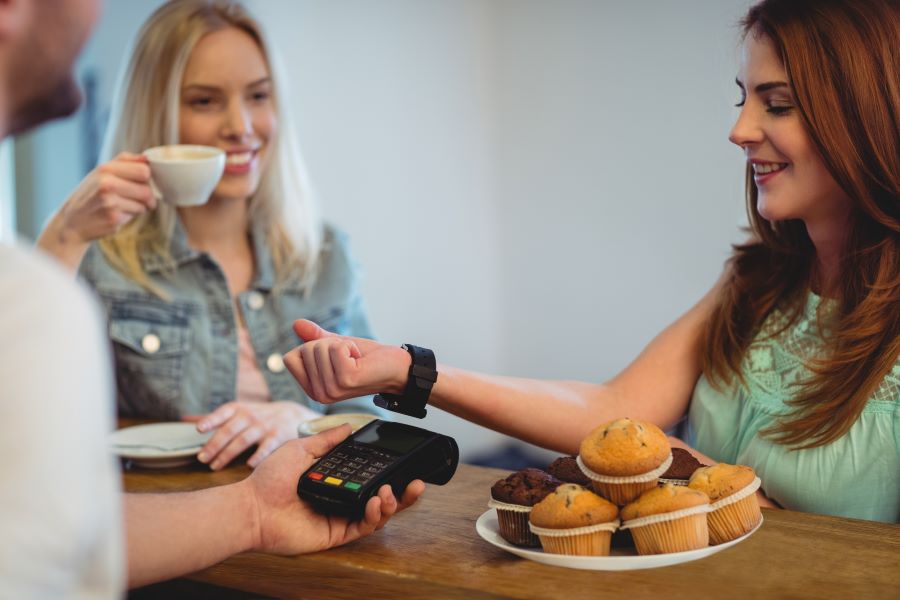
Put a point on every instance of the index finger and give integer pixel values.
(216, 417)
(131, 156)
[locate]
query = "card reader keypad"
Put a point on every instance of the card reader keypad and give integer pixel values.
(352, 466)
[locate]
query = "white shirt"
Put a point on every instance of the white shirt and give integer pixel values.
(60, 515)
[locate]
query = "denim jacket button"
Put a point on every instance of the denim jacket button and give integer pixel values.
(255, 300)
(275, 363)
(150, 343)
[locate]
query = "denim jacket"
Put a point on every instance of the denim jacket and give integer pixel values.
(179, 356)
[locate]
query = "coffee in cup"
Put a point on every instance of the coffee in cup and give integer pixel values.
(183, 174)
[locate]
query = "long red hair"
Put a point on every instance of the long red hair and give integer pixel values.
(842, 59)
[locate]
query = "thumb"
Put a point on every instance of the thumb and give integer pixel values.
(309, 331)
(319, 444)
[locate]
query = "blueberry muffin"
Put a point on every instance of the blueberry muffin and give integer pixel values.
(574, 520)
(732, 493)
(623, 458)
(668, 518)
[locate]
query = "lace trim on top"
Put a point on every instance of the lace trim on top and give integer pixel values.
(775, 364)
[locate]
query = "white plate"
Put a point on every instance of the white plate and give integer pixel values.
(356, 420)
(622, 559)
(158, 445)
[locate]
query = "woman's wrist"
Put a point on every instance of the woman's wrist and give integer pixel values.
(61, 242)
(402, 360)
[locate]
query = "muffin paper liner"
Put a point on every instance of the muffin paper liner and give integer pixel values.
(664, 517)
(512, 521)
(689, 532)
(738, 495)
(591, 540)
(682, 482)
(735, 515)
(610, 527)
(622, 490)
(642, 478)
(506, 506)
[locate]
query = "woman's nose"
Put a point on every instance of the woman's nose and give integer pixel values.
(237, 121)
(746, 130)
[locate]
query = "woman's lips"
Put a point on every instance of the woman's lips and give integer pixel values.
(240, 163)
(763, 173)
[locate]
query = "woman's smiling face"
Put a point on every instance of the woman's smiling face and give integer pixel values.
(226, 101)
(789, 172)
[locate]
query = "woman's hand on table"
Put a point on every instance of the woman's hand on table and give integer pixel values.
(289, 526)
(761, 497)
(240, 425)
(108, 197)
(331, 367)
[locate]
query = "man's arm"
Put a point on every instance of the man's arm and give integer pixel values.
(168, 535)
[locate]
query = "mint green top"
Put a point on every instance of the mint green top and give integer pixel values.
(856, 476)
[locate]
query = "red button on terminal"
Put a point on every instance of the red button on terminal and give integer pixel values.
(316, 476)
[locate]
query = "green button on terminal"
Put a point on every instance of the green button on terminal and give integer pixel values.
(352, 486)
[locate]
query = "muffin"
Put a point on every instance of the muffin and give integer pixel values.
(513, 498)
(574, 520)
(731, 490)
(623, 458)
(683, 466)
(668, 518)
(566, 469)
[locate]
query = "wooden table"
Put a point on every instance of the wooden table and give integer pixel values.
(433, 551)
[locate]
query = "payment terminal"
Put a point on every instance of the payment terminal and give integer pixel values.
(380, 453)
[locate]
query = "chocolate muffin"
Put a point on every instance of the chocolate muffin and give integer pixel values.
(565, 468)
(513, 498)
(683, 466)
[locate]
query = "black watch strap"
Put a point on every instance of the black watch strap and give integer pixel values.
(422, 375)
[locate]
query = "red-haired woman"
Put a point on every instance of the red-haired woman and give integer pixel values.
(790, 363)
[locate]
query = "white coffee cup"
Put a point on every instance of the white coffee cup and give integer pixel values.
(183, 174)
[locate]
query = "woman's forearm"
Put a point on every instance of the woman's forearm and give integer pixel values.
(62, 244)
(551, 414)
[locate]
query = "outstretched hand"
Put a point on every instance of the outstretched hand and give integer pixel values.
(287, 525)
(331, 367)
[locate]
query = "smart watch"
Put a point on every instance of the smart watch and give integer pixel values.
(422, 375)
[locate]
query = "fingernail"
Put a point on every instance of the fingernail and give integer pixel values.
(202, 457)
(202, 427)
(216, 466)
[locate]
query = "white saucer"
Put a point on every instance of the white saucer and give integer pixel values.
(622, 559)
(158, 445)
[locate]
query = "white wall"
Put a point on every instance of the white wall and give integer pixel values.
(533, 187)
(565, 164)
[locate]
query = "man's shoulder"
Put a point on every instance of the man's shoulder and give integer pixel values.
(36, 283)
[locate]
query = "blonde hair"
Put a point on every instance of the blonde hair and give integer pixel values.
(145, 113)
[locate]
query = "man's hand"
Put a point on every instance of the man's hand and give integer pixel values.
(331, 368)
(286, 525)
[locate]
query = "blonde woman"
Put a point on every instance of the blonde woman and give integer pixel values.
(200, 300)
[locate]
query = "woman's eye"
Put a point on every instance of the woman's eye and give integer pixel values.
(779, 109)
(261, 96)
(200, 101)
